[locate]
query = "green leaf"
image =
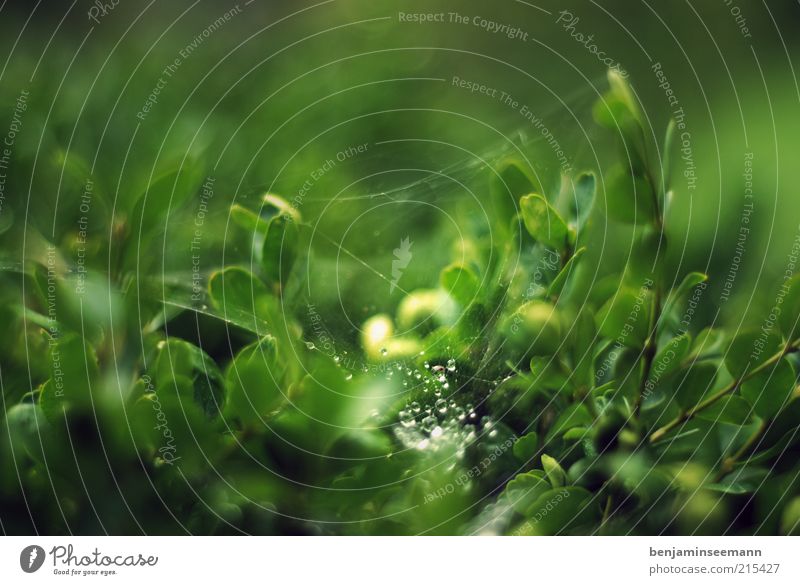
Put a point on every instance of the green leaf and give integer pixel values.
(460, 282)
(559, 511)
(742, 481)
(619, 112)
(669, 357)
(584, 334)
(709, 341)
(76, 176)
(274, 205)
(543, 222)
(546, 373)
(509, 182)
(574, 415)
(250, 221)
(583, 198)
(622, 90)
(167, 191)
(254, 382)
(728, 409)
(629, 199)
(526, 446)
(751, 348)
(280, 249)
(242, 297)
(626, 316)
(73, 372)
(25, 425)
(557, 286)
(576, 434)
(790, 518)
(694, 383)
(668, 158)
(769, 390)
(525, 489)
(647, 255)
(176, 359)
(555, 473)
(681, 294)
(789, 318)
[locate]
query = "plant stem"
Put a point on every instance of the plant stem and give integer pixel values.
(730, 462)
(649, 350)
(606, 515)
(688, 414)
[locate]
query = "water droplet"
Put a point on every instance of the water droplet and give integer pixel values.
(436, 432)
(349, 377)
(427, 366)
(407, 418)
(415, 407)
(441, 405)
(451, 365)
(310, 346)
(384, 351)
(337, 359)
(428, 423)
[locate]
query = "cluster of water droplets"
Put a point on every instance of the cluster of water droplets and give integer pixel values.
(438, 420)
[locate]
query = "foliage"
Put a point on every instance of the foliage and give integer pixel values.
(492, 401)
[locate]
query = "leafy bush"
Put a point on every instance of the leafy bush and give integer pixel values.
(518, 394)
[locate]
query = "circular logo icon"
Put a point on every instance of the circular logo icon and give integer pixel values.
(31, 558)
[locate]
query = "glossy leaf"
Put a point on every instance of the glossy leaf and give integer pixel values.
(543, 222)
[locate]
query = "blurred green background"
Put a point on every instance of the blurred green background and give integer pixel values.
(280, 88)
(357, 117)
